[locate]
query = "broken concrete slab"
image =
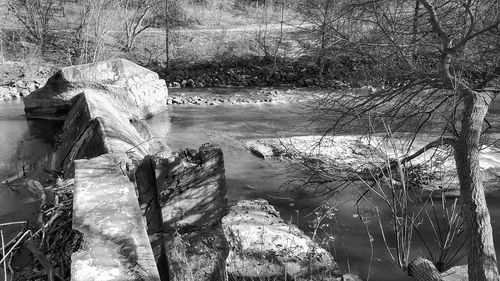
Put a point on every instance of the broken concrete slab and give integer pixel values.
(106, 211)
(94, 127)
(135, 90)
(192, 188)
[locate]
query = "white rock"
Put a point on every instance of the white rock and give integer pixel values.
(260, 150)
(263, 245)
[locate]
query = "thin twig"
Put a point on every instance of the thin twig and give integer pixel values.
(3, 255)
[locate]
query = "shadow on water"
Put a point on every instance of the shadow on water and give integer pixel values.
(249, 177)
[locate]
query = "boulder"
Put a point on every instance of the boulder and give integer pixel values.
(4, 93)
(301, 83)
(260, 150)
(30, 86)
(24, 93)
(291, 77)
(309, 82)
(20, 84)
(190, 83)
(262, 245)
(132, 89)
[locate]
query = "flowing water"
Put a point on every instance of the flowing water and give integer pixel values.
(25, 141)
(249, 177)
(357, 246)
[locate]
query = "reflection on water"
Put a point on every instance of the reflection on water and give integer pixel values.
(23, 143)
(251, 177)
(22, 139)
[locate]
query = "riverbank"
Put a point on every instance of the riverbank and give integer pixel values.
(244, 95)
(254, 71)
(19, 79)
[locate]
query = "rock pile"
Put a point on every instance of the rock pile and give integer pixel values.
(19, 89)
(245, 74)
(227, 79)
(260, 97)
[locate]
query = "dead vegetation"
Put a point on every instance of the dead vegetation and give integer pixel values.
(43, 252)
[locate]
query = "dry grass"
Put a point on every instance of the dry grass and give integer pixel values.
(51, 243)
(208, 36)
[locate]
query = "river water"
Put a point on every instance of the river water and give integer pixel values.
(251, 177)
(22, 143)
(248, 177)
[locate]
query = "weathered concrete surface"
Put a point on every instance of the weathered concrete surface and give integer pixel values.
(192, 194)
(191, 191)
(95, 127)
(135, 90)
(192, 188)
(106, 211)
(262, 245)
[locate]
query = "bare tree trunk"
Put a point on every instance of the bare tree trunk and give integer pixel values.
(2, 57)
(482, 262)
(415, 30)
(278, 45)
(167, 36)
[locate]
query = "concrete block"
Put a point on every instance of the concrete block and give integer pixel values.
(106, 211)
